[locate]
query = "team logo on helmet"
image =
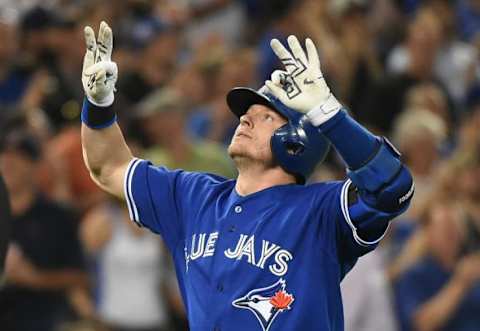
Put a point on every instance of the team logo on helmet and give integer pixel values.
(266, 303)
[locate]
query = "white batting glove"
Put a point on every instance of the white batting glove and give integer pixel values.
(302, 86)
(99, 73)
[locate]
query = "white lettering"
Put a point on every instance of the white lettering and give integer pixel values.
(234, 254)
(408, 195)
(187, 258)
(210, 247)
(267, 251)
(197, 251)
(249, 250)
(280, 267)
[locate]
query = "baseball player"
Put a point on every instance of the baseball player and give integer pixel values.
(263, 251)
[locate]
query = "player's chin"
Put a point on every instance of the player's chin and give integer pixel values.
(237, 149)
(234, 149)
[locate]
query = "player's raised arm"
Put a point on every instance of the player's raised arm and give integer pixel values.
(381, 186)
(105, 152)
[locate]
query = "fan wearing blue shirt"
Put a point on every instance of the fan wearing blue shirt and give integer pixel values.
(263, 251)
(441, 291)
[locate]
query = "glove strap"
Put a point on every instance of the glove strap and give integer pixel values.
(96, 117)
(325, 111)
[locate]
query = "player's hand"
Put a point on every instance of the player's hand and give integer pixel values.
(99, 73)
(302, 86)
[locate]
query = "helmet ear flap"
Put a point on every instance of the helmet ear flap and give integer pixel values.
(290, 139)
(287, 146)
(294, 148)
(298, 147)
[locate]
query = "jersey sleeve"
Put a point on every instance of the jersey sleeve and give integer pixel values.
(343, 218)
(352, 215)
(152, 194)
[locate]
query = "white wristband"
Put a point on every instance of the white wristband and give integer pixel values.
(104, 103)
(323, 112)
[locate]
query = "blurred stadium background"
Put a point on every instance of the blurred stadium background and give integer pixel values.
(409, 69)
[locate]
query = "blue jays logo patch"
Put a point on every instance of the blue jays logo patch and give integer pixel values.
(266, 303)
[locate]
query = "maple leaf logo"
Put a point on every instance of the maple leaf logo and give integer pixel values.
(266, 303)
(281, 300)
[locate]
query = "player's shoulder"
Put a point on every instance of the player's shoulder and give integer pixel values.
(315, 192)
(143, 173)
(204, 178)
(323, 188)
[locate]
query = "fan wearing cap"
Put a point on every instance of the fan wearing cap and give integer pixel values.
(264, 251)
(44, 262)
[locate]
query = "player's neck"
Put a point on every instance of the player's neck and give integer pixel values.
(253, 180)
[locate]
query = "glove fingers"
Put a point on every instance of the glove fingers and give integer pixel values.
(100, 80)
(313, 58)
(284, 55)
(108, 41)
(93, 69)
(296, 49)
(111, 69)
(108, 67)
(101, 48)
(278, 77)
(91, 47)
(275, 90)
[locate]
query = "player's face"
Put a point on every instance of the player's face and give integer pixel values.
(252, 136)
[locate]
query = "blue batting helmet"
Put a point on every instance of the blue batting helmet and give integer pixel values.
(297, 146)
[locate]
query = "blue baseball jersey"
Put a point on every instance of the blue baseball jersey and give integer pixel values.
(271, 260)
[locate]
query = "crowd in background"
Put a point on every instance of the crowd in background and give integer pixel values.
(407, 69)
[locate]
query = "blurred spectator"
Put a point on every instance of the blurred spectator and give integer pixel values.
(63, 175)
(419, 134)
(14, 78)
(461, 174)
(454, 60)
(387, 99)
(162, 119)
(367, 283)
(224, 18)
(429, 97)
(282, 22)
(442, 290)
(51, 50)
(159, 60)
(356, 67)
(4, 223)
(212, 120)
(130, 270)
(139, 26)
(468, 12)
(45, 261)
